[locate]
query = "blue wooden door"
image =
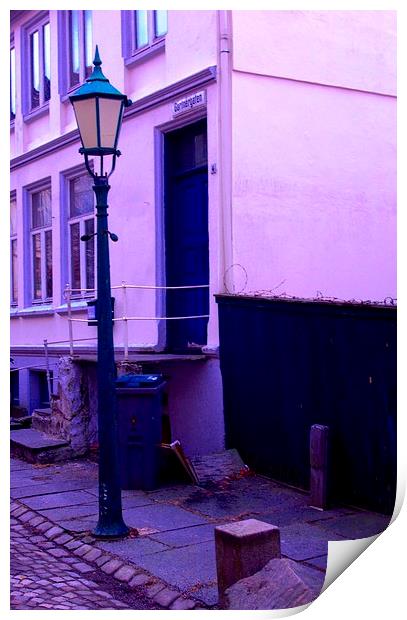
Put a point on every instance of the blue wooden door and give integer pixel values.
(186, 236)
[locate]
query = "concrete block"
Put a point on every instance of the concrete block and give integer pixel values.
(242, 549)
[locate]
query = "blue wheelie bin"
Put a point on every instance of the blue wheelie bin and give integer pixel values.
(139, 409)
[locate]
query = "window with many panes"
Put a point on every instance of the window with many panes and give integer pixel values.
(80, 46)
(37, 63)
(12, 83)
(13, 251)
(143, 33)
(76, 51)
(40, 208)
(81, 254)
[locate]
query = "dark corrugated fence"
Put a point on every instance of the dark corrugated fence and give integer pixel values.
(288, 364)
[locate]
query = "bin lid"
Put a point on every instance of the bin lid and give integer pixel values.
(139, 381)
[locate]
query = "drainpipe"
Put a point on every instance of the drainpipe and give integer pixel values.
(225, 149)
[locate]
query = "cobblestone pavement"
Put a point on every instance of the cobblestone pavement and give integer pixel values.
(45, 576)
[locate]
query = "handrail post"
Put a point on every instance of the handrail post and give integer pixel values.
(70, 327)
(47, 369)
(126, 326)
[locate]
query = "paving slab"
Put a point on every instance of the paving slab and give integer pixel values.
(36, 488)
(125, 493)
(184, 567)
(160, 517)
(235, 504)
(71, 512)
(134, 501)
(302, 541)
(319, 562)
(309, 531)
(291, 514)
(186, 536)
(359, 525)
(297, 548)
(79, 524)
(18, 465)
(132, 549)
(177, 492)
(58, 500)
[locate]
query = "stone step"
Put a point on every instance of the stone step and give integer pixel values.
(217, 466)
(41, 420)
(36, 447)
(24, 422)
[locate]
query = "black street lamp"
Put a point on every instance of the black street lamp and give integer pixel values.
(99, 109)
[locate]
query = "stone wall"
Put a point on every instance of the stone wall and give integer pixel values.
(73, 412)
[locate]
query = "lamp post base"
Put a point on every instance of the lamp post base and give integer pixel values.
(111, 530)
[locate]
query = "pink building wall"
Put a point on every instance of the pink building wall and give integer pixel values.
(314, 152)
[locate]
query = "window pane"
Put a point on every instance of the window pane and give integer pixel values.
(37, 266)
(13, 216)
(41, 208)
(141, 29)
(90, 254)
(14, 272)
(81, 196)
(47, 62)
(74, 47)
(35, 69)
(12, 84)
(201, 154)
(48, 263)
(88, 42)
(160, 21)
(75, 256)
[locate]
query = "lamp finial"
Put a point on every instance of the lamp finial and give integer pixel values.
(96, 61)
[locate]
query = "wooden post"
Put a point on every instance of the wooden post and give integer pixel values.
(319, 466)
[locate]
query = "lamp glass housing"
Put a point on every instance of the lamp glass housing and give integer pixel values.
(86, 118)
(98, 108)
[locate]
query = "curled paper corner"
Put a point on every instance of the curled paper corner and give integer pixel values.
(342, 553)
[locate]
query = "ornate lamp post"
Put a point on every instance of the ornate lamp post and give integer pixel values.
(99, 110)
